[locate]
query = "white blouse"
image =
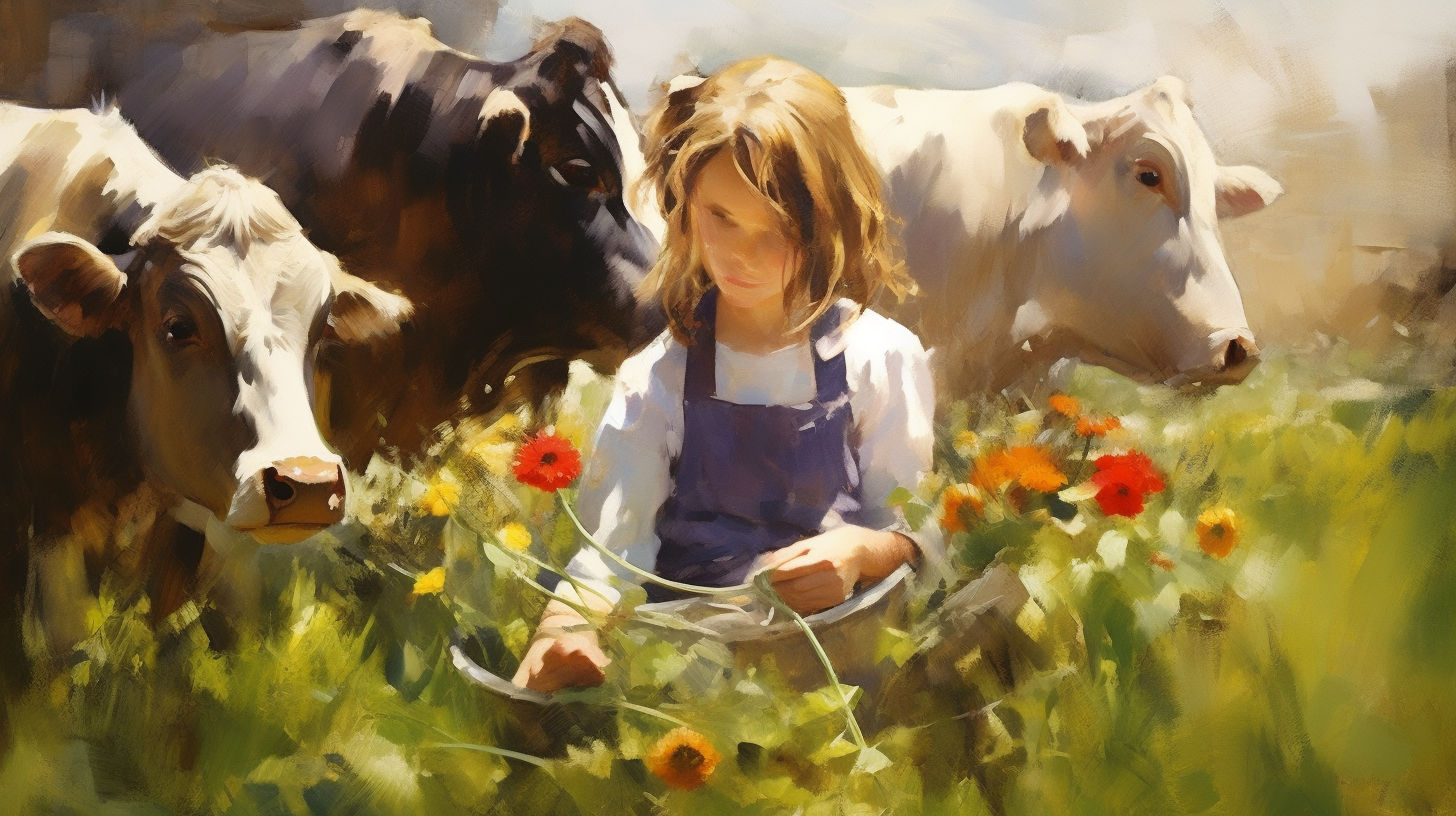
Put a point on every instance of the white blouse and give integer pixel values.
(627, 477)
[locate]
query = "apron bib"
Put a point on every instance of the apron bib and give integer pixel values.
(754, 478)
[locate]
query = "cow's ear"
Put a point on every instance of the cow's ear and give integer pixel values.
(72, 282)
(1242, 189)
(1052, 135)
(682, 97)
(505, 123)
(362, 312)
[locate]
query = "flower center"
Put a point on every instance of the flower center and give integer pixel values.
(686, 758)
(1217, 531)
(548, 458)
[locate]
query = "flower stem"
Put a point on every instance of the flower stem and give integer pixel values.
(638, 571)
(1086, 449)
(766, 588)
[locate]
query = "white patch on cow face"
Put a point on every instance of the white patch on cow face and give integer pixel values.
(640, 200)
(232, 303)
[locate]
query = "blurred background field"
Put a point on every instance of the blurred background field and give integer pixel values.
(1309, 671)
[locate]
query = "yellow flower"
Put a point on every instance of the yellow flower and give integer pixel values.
(430, 583)
(1218, 531)
(965, 442)
(441, 498)
(515, 536)
(684, 759)
(1065, 405)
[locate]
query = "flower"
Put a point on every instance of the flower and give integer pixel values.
(684, 759)
(1031, 466)
(1065, 405)
(1123, 482)
(430, 583)
(1218, 531)
(1157, 559)
(547, 461)
(956, 498)
(515, 536)
(1087, 426)
(965, 442)
(440, 498)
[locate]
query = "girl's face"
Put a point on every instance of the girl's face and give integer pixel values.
(739, 238)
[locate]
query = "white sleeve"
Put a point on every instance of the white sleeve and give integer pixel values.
(894, 412)
(627, 477)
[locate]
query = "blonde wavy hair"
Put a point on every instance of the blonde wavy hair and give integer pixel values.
(791, 138)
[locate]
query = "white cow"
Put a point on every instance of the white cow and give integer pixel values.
(1040, 228)
(184, 372)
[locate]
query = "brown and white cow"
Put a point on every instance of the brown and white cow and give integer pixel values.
(1041, 228)
(184, 372)
(489, 193)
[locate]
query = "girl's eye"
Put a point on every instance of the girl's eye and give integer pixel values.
(1148, 177)
(179, 331)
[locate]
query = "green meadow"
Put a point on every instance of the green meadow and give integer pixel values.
(1310, 670)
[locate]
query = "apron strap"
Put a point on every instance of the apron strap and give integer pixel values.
(700, 381)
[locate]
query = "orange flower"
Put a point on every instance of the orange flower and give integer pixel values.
(683, 758)
(1087, 426)
(1030, 465)
(1218, 531)
(1157, 559)
(956, 498)
(1065, 405)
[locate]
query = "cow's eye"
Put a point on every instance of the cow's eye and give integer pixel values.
(1149, 177)
(179, 331)
(576, 173)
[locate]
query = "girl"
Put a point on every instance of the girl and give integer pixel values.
(767, 427)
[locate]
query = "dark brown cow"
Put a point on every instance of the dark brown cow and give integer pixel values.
(490, 194)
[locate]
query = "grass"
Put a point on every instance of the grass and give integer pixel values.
(1309, 671)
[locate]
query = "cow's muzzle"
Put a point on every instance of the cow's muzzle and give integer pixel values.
(290, 500)
(1231, 356)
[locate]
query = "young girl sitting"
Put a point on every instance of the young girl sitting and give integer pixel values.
(767, 427)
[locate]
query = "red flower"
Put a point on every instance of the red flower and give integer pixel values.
(1124, 481)
(548, 462)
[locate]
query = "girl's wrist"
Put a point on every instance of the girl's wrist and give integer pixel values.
(882, 552)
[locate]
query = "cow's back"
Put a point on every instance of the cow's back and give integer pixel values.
(956, 180)
(75, 171)
(284, 106)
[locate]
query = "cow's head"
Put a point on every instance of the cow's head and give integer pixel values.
(1134, 276)
(542, 202)
(225, 302)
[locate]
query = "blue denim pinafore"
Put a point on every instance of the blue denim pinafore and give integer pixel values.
(754, 478)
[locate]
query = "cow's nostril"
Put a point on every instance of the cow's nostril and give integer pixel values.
(1235, 355)
(279, 488)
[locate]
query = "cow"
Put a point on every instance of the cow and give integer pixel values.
(488, 193)
(1039, 227)
(176, 375)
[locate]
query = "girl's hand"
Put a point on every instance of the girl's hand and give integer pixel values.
(820, 572)
(558, 659)
(555, 662)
